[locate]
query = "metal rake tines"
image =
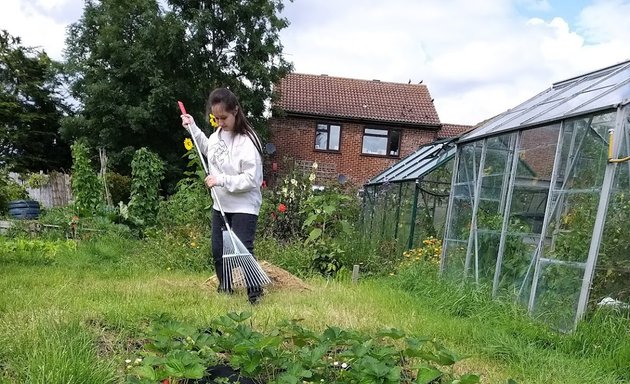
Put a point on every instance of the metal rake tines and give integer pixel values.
(240, 268)
(243, 271)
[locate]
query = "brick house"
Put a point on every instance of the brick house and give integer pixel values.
(350, 127)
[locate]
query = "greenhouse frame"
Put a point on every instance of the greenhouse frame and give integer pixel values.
(540, 198)
(406, 203)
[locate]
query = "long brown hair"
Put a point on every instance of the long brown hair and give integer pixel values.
(231, 104)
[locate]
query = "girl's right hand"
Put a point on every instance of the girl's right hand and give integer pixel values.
(187, 120)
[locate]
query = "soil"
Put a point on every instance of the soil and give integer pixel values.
(280, 279)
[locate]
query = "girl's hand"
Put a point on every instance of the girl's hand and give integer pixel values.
(211, 181)
(187, 120)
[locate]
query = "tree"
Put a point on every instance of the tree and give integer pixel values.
(30, 109)
(129, 62)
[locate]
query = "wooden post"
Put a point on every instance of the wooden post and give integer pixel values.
(102, 154)
(355, 274)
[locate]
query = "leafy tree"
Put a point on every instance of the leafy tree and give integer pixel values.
(129, 62)
(30, 109)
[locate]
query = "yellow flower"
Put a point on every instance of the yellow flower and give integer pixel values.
(188, 144)
(213, 121)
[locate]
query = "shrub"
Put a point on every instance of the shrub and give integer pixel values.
(189, 206)
(119, 187)
(86, 186)
(283, 212)
(9, 190)
(147, 171)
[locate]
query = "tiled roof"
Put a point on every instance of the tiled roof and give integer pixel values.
(453, 130)
(330, 96)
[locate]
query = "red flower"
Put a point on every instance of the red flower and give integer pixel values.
(273, 215)
(282, 208)
(264, 184)
(166, 381)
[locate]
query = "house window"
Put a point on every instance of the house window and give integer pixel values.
(381, 142)
(328, 137)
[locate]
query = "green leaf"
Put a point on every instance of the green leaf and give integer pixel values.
(315, 233)
(145, 371)
(428, 374)
(392, 333)
(239, 317)
(467, 379)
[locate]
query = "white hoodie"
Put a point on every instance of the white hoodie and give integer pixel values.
(236, 163)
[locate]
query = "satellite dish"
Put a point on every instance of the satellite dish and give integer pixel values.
(270, 148)
(341, 179)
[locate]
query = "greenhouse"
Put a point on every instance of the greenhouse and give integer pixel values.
(406, 203)
(540, 198)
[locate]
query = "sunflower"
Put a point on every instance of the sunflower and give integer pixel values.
(188, 144)
(213, 121)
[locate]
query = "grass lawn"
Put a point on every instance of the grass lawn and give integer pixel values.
(76, 317)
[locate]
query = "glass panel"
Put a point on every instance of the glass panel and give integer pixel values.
(374, 145)
(394, 143)
(527, 209)
(573, 102)
(611, 282)
(403, 227)
(454, 264)
(373, 131)
(335, 135)
(495, 176)
(574, 202)
(321, 137)
(557, 294)
(461, 212)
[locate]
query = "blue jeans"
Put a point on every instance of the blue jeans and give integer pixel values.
(244, 227)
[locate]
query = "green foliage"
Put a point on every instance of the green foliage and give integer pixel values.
(290, 256)
(326, 227)
(284, 207)
(86, 186)
(9, 190)
(119, 187)
(129, 62)
(37, 180)
(30, 251)
(291, 354)
(190, 206)
(147, 172)
(32, 108)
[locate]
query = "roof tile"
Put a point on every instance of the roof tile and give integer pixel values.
(359, 99)
(453, 130)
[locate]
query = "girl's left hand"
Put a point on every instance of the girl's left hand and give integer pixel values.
(211, 181)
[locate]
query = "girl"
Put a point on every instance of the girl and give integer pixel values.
(234, 155)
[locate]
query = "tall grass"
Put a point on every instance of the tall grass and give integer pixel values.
(40, 348)
(503, 331)
(77, 318)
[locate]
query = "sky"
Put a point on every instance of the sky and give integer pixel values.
(477, 58)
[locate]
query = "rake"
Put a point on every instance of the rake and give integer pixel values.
(240, 268)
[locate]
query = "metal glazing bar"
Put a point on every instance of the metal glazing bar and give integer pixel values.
(549, 214)
(515, 142)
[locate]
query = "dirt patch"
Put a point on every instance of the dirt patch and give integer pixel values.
(280, 279)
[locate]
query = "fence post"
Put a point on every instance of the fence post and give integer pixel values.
(355, 274)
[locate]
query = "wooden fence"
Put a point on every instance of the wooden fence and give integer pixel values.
(56, 193)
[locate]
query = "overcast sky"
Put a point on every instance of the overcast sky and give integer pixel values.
(478, 58)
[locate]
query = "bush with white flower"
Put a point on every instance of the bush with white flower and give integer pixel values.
(283, 211)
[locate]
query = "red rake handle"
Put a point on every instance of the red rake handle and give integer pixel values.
(181, 107)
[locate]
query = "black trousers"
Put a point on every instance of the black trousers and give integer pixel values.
(244, 227)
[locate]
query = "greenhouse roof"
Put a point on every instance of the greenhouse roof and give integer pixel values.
(418, 164)
(595, 91)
